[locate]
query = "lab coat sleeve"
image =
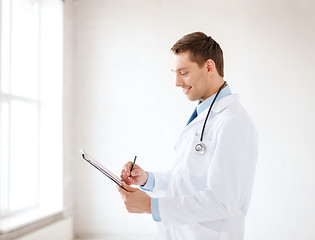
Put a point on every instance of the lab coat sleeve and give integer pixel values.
(161, 180)
(229, 179)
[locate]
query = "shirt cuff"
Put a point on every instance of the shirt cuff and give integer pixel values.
(155, 209)
(149, 185)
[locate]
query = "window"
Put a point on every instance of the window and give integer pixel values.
(30, 110)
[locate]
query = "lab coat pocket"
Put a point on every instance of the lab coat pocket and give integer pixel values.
(200, 232)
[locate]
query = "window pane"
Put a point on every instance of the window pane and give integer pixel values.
(4, 157)
(24, 48)
(5, 45)
(23, 155)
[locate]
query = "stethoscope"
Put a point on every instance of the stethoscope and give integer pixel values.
(200, 147)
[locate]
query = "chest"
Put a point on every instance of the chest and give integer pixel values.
(190, 171)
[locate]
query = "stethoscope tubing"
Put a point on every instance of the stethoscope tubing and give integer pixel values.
(205, 122)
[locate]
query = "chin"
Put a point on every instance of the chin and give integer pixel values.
(191, 98)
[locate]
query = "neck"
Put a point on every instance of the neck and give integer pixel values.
(214, 87)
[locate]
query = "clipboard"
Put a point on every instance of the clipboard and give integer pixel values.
(102, 169)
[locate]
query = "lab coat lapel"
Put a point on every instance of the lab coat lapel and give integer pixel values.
(218, 106)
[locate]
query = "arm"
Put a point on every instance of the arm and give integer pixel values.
(137, 201)
(148, 181)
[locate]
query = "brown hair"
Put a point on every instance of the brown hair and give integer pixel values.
(201, 48)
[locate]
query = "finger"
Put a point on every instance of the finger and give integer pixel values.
(128, 181)
(124, 176)
(127, 168)
(128, 188)
(121, 190)
(136, 172)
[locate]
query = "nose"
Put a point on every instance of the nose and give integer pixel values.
(179, 81)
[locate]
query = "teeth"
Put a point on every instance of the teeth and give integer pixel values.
(185, 90)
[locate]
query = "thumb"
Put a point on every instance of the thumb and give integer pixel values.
(135, 172)
(128, 188)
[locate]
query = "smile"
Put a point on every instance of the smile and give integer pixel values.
(185, 90)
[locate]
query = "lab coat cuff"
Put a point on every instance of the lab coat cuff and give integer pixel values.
(155, 209)
(149, 185)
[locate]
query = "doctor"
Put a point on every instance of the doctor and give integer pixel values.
(207, 192)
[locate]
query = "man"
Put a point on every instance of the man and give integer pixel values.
(206, 195)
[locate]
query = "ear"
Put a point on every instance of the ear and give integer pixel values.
(210, 65)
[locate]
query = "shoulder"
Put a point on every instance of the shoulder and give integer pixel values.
(235, 116)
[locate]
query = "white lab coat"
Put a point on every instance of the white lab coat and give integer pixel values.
(207, 196)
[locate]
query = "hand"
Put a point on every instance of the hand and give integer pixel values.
(137, 176)
(135, 200)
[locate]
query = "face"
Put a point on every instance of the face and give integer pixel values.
(194, 80)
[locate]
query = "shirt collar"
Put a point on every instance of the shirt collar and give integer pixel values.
(206, 103)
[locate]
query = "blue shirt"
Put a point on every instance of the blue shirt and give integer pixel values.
(206, 103)
(149, 186)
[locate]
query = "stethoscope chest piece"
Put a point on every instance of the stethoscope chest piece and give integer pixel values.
(200, 148)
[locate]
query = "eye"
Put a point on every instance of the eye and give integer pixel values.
(183, 73)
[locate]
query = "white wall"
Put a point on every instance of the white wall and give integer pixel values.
(68, 108)
(126, 103)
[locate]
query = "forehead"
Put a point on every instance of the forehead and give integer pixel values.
(182, 61)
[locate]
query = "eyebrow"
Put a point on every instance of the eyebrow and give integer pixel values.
(179, 70)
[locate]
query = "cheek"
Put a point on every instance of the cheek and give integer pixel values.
(200, 80)
(195, 81)
(191, 80)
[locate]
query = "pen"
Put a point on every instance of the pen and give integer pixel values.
(133, 165)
